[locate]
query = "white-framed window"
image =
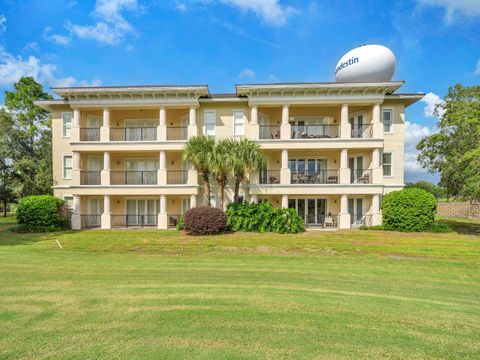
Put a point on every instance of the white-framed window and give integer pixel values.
(387, 163)
(210, 118)
(67, 124)
(387, 119)
(68, 201)
(67, 165)
(238, 123)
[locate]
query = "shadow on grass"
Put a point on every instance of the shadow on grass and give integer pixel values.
(462, 226)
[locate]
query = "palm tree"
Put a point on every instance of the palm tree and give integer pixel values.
(247, 158)
(198, 151)
(221, 164)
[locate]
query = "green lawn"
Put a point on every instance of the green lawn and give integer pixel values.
(163, 295)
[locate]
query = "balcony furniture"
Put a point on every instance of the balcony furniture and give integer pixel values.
(332, 180)
(365, 179)
(274, 180)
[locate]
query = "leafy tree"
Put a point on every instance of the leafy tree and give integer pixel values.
(221, 164)
(198, 151)
(454, 151)
(433, 189)
(7, 193)
(247, 157)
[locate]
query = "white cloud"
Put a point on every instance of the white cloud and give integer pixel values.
(413, 134)
(12, 68)
(180, 6)
(455, 10)
(3, 25)
(270, 11)
(477, 69)
(111, 27)
(31, 46)
(431, 100)
(56, 38)
(246, 74)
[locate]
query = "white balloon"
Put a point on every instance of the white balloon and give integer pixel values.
(368, 63)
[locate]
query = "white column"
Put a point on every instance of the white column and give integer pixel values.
(106, 169)
(285, 170)
(376, 214)
(192, 176)
(376, 123)
(193, 201)
(76, 169)
(344, 169)
(253, 177)
(105, 129)
(192, 122)
(77, 213)
(345, 127)
(106, 216)
(76, 125)
(285, 127)
(162, 215)
(162, 170)
(377, 171)
(162, 125)
(344, 215)
(255, 128)
(285, 201)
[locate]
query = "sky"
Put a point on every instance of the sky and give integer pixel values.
(221, 43)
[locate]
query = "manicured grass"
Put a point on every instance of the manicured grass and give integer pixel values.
(150, 294)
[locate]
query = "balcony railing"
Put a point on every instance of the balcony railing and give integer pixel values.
(315, 131)
(177, 132)
(90, 177)
(321, 220)
(269, 177)
(361, 176)
(134, 220)
(91, 220)
(90, 134)
(133, 134)
(177, 177)
(359, 220)
(269, 132)
(362, 131)
(133, 177)
(315, 177)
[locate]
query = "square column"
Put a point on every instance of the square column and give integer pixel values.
(285, 170)
(344, 216)
(105, 129)
(76, 169)
(344, 169)
(76, 126)
(162, 170)
(106, 216)
(255, 129)
(376, 123)
(285, 131)
(77, 213)
(192, 129)
(284, 201)
(193, 201)
(192, 176)
(253, 178)
(106, 169)
(162, 127)
(162, 215)
(376, 214)
(377, 172)
(345, 127)
(254, 198)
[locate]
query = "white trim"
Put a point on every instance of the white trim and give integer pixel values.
(63, 124)
(392, 117)
(244, 121)
(63, 165)
(214, 124)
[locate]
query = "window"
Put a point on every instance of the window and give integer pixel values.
(67, 124)
(238, 123)
(68, 201)
(67, 166)
(387, 118)
(210, 119)
(387, 164)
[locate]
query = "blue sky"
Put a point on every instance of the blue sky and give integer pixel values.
(225, 42)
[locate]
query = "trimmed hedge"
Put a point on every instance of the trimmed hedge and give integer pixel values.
(42, 213)
(410, 209)
(263, 217)
(205, 221)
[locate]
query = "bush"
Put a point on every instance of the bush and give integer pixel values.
(263, 217)
(409, 210)
(42, 213)
(181, 224)
(204, 221)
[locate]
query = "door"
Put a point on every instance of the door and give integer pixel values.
(357, 123)
(95, 210)
(185, 205)
(142, 212)
(94, 122)
(355, 164)
(137, 130)
(95, 163)
(356, 211)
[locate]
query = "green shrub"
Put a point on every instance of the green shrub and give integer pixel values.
(263, 217)
(205, 221)
(181, 224)
(42, 213)
(409, 210)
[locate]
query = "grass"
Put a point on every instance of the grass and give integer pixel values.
(161, 294)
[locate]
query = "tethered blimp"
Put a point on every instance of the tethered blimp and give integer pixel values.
(367, 63)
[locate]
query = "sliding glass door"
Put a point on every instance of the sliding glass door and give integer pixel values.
(142, 212)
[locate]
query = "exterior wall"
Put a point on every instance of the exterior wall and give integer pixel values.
(394, 142)
(459, 210)
(224, 117)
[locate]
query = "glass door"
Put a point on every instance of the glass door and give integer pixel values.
(355, 208)
(95, 209)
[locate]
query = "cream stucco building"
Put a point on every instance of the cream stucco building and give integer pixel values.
(333, 149)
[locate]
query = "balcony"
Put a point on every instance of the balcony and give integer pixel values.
(90, 134)
(359, 220)
(269, 177)
(126, 220)
(362, 131)
(90, 177)
(322, 221)
(361, 176)
(177, 133)
(133, 177)
(177, 177)
(315, 177)
(269, 132)
(133, 134)
(315, 131)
